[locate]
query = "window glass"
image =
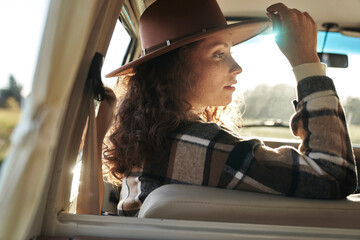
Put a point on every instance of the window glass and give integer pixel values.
(116, 52)
(267, 85)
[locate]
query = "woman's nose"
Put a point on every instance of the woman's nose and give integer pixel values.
(235, 68)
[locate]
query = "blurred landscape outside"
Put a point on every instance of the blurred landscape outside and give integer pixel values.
(267, 86)
(10, 104)
(21, 23)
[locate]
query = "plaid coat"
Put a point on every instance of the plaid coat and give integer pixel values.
(206, 154)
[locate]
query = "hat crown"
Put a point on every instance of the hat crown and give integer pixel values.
(166, 21)
(169, 24)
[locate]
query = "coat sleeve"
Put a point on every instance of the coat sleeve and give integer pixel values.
(323, 166)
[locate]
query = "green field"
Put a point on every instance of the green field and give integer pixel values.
(8, 120)
(267, 132)
(354, 131)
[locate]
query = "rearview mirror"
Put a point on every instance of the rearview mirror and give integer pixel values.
(334, 60)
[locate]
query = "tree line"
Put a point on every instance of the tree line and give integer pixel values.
(12, 90)
(275, 102)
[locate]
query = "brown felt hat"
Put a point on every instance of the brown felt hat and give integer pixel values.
(169, 24)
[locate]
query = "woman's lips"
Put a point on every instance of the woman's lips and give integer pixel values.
(231, 88)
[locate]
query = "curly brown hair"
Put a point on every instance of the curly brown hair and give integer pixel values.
(153, 106)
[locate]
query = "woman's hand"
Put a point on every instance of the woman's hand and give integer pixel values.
(296, 34)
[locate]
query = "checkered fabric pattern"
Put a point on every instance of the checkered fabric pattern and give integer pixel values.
(209, 155)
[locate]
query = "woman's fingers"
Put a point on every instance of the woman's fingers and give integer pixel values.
(295, 33)
(296, 11)
(276, 24)
(310, 18)
(280, 8)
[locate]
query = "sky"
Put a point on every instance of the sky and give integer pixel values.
(21, 25)
(115, 53)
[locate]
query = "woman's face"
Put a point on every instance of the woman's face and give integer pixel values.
(212, 73)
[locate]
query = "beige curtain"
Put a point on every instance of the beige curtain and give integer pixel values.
(74, 31)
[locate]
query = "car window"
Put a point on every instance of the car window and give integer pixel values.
(116, 53)
(266, 87)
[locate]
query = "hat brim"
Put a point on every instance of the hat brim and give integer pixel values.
(240, 32)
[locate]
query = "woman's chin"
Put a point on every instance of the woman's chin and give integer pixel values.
(224, 103)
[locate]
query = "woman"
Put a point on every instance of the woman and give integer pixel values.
(168, 130)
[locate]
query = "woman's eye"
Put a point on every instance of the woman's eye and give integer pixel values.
(219, 55)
